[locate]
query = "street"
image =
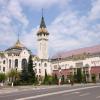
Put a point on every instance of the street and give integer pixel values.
(81, 92)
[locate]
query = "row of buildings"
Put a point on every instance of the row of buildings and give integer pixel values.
(62, 64)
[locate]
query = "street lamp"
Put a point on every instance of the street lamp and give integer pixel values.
(59, 70)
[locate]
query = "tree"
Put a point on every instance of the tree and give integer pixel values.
(2, 77)
(45, 81)
(93, 78)
(55, 79)
(13, 75)
(31, 72)
(84, 78)
(62, 79)
(79, 75)
(72, 79)
(24, 75)
(28, 74)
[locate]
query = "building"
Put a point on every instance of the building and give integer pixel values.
(87, 59)
(42, 64)
(62, 64)
(14, 57)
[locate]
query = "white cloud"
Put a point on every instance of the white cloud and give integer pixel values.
(95, 11)
(16, 11)
(29, 39)
(70, 31)
(9, 12)
(67, 31)
(43, 3)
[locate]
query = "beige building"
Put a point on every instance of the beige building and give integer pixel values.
(63, 64)
(14, 57)
(86, 59)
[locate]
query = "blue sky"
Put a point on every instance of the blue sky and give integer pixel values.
(72, 24)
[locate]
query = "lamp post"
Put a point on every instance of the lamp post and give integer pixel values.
(59, 70)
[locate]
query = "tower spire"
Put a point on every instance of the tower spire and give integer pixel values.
(42, 12)
(42, 24)
(18, 36)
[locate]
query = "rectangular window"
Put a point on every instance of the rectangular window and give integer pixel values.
(9, 63)
(79, 65)
(3, 69)
(39, 70)
(4, 62)
(35, 70)
(99, 75)
(55, 66)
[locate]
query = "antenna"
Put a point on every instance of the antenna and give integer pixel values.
(18, 36)
(42, 12)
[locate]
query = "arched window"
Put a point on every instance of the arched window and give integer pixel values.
(9, 63)
(24, 63)
(4, 62)
(45, 64)
(16, 62)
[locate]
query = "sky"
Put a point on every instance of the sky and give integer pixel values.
(72, 24)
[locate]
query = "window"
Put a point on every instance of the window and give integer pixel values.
(4, 62)
(39, 64)
(9, 63)
(35, 64)
(79, 65)
(3, 69)
(55, 66)
(35, 70)
(45, 65)
(16, 62)
(39, 70)
(99, 75)
(24, 63)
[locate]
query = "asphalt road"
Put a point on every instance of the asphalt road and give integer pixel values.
(58, 93)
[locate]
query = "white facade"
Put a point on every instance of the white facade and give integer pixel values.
(3, 63)
(42, 46)
(17, 57)
(41, 66)
(14, 58)
(66, 64)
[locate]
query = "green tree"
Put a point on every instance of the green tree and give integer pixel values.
(84, 78)
(62, 79)
(2, 77)
(24, 76)
(71, 77)
(54, 79)
(93, 78)
(45, 81)
(31, 72)
(79, 75)
(13, 75)
(28, 74)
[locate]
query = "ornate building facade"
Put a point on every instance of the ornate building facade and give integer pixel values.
(14, 57)
(85, 59)
(63, 64)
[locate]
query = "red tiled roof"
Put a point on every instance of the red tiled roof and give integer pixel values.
(91, 50)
